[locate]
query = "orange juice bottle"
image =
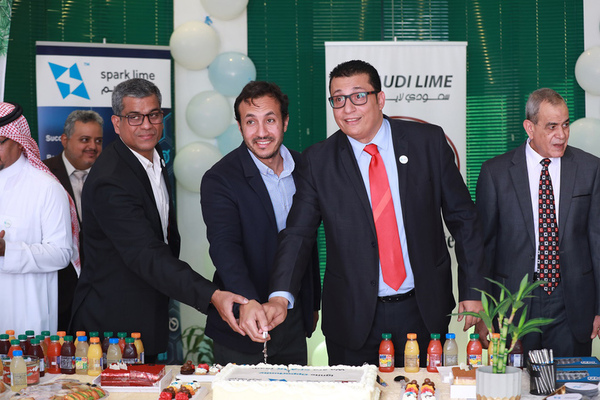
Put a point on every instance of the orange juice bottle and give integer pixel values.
(139, 346)
(61, 337)
(411, 353)
(11, 334)
(94, 357)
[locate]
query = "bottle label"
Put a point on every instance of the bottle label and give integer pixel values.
(67, 362)
(474, 360)
(434, 360)
(515, 360)
(142, 360)
(18, 379)
(42, 365)
(386, 361)
(81, 363)
(450, 360)
(411, 361)
(95, 364)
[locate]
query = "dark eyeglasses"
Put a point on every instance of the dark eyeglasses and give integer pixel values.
(358, 99)
(136, 119)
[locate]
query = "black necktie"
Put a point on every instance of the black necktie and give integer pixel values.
(548, 258)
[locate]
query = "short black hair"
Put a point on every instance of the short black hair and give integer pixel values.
(355, 67)
(257, 89)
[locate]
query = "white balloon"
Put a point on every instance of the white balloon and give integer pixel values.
(587, 70)
(194, 45)
(224, 9)
(209, 114)
(192, 161)
(585, 134)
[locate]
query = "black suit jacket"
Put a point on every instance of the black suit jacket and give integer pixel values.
(130, 272)
(504, 203)
(242, 232)
(67, 277)
(330, 188)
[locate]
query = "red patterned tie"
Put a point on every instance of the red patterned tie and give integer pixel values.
(390, 250)
(548, 258)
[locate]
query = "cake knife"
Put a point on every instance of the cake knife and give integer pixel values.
(265, 334)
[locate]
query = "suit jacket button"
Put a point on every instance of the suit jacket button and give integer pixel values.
(373, 244)
(373, 283)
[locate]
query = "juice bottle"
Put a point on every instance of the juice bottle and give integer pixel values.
(122, 336)
(105, 344)
(4, 343)
(450, 350)
(54, 355)
(434, 353)
(14, 345)
(11, 334)
(61, 337)
(18, 372)
(46, 338)
(411, 353)
(67, 356)
(113, 354)
(386, 353)
(94, 357)
(35, 349)
(44, 347)
(130, 355)
(474, 351)
(491, 348)
(515, 357)
(139, 346)
(77, 334)
(24, 343)
(81, 356)
(30, 335)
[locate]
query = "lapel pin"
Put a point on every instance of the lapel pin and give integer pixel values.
(162, 161)
(403, 159)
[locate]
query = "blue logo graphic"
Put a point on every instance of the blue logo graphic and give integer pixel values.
(66, 81)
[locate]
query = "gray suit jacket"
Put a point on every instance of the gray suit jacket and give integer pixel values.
(504, 203)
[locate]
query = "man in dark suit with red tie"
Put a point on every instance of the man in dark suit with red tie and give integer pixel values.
(382, 275)
(540, 207)
(82, 143)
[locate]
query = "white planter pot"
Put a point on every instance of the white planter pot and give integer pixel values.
(490, 386)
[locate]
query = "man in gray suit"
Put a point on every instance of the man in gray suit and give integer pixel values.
(521, 196)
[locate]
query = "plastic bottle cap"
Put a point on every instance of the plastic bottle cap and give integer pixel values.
(129, 340)
(10, 332)
(450, 336)
(22, 337)
(411, 336)
(61, 333)
(68, 338)
(46, 333)
(496, 335)
(14, 342)
(435, 336)
(82, 338)
(94, 334)
(386, 335)
(29, 333)
(4, 336)
(54, 338)
(35, 341)
(95, 339)
(473, 336)
(108, 334)
(18, 353)
(113, 340)
(122, 335)
(136, 335)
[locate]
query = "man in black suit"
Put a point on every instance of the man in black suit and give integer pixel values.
(82, 143)
(422, 185)
(132, 242)
(508, 199)
(245, 201)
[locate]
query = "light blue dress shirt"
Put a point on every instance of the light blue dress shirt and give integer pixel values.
(385, 146)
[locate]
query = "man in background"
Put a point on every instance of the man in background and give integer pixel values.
(131, 237)
(82, 143)
(38, 224)
(540, 207)
(245, 201)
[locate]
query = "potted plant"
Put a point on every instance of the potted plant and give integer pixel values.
(504, 310)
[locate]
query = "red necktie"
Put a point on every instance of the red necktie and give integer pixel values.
(390, 250)
(548, 259)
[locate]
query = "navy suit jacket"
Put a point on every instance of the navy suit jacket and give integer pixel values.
(330, 189)
(504, 203)
(242, 232)
(129, 271)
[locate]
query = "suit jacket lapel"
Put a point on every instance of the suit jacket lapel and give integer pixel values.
(256, 182)
(568, 172)
(401, 149)
(520, 179)
(350, 167)
(135, 165)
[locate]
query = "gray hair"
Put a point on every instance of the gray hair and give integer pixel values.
(532, 108)
(136, 87)
(83, 116)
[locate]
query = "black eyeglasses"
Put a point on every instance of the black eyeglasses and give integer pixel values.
(136, 119)
(3, 141)
(358, 99)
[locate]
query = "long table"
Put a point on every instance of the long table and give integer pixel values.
(392, 391)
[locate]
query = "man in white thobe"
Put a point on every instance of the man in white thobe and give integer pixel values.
(36, 231)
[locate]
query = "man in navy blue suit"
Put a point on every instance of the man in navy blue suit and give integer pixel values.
(245, 201)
